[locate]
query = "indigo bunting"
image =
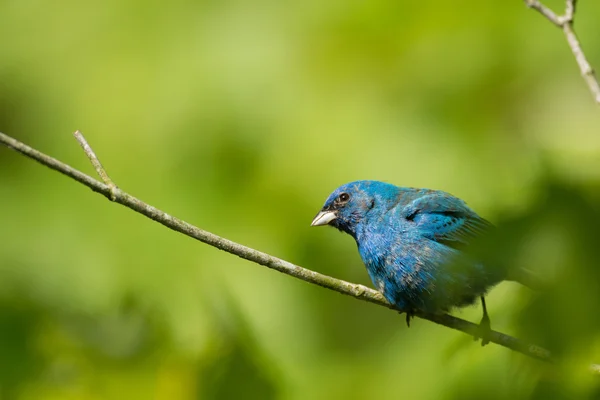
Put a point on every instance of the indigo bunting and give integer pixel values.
(412, 242)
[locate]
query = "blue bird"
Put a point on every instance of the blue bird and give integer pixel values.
(411, 241)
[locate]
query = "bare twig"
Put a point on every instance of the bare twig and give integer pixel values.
(350, 289)
(545, 11)
(87, 149)
(570, 10)
(565, 22)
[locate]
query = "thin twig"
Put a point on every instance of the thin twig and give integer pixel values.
(565, 22)
(87, 149)
(350, 289)
(545, 11)
(570, 10)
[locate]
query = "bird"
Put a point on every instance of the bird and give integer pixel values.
(413, 242)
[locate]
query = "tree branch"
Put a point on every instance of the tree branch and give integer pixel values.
(565, 22)
(360, 292)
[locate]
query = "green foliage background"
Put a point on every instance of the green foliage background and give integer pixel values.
(241, 117)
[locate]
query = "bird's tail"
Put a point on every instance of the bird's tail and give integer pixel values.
(527, 278)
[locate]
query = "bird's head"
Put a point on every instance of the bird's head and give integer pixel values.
(351, 203)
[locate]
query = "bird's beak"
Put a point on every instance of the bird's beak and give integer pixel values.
(323, 218)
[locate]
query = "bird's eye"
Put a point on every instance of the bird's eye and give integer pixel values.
(344, 197)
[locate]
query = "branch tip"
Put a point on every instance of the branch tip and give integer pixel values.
(89, 152)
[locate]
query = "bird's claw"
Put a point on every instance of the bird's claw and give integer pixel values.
(485, 326)
(484, 330)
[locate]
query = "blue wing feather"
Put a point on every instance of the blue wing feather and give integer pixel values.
(446, 219)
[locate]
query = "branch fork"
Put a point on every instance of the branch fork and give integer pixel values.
(565, 22)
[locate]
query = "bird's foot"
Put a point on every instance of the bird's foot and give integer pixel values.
(485, 326)
(484, 330)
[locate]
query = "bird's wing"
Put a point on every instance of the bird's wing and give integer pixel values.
(444, 218)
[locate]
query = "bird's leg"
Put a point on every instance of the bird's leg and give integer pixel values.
(409, 315)
(485, 326)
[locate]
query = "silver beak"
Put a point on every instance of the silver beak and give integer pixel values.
(323, 218)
